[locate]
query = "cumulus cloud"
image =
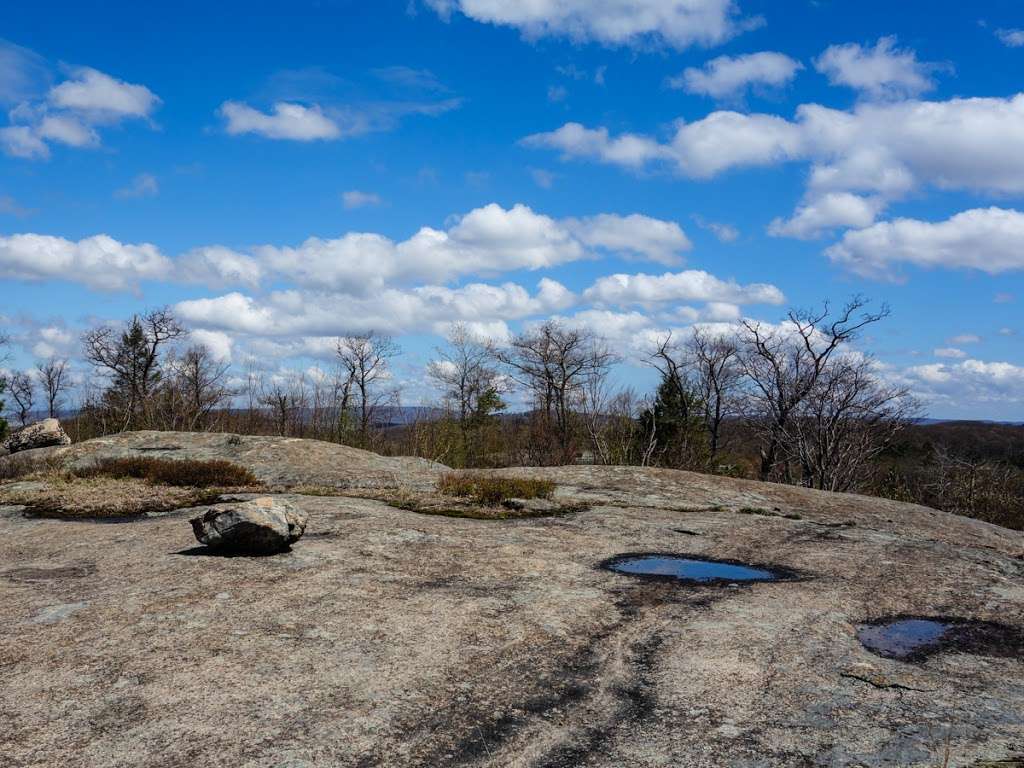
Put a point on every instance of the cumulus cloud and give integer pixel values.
(729, 76)
(882, 71)
(690, 285)
(966, 338)
(968, 381)
(99, 262)
(638, 235)
(103, 98)
(294, 122)
(67, 113)
(486, 241)
(949, 352)
(353, 198)
(674, 23)
(879, 151)
(983, 239)
(827, 212)
(218, 343)
(295, 312)
(218, 266)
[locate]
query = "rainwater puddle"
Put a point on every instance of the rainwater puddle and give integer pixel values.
(903, 638)
(692, 569)
(915, 638)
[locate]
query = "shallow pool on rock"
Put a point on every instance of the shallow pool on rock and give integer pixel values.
(915, 638)
(903, 638)
(690, 569)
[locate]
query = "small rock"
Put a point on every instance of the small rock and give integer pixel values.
(42, 434)
(258, 527)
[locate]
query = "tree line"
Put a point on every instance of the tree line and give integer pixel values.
(792, 402)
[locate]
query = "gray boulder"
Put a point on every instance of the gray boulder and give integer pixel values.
(42, 434)
(259, 527)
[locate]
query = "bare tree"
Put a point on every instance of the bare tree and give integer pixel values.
(3, 382)
(554, 363)
(53, 376)
(131, 359)
(717, 378)
(23, 393)
(366, 360)
(782, 365)
(847, 419)
(275, 397)
(200, 384)
(465, 372)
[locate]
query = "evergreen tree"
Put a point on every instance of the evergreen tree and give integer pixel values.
(675, 419)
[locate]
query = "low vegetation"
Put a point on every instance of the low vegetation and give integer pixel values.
(492, 490)
(177, 473)
(102, 498)
(117, 488)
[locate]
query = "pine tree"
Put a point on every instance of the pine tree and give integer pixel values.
(674, 417)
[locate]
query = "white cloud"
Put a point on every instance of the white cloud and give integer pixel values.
(880, 151)
(729, 76)
(69, 112)
(99, 262)
(68, 130)
(949, 352)
(966, 338)
(486, 241)
(832, 210)
(575, 140)
(51, 341)
(988, 240)
(882, 71)
(103, 97)
(287, 121)
(675, 23)
(22, 141)
(1014, 38)
(726, 233)
(969, 381)
(353, 198)
(218, 343)
(143, 185)
(294, 312)
(216, 266)
(975, 144)
(642, 236)
(690, 285)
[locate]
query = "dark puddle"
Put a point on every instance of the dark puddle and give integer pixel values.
(694, 570)
(915, 638)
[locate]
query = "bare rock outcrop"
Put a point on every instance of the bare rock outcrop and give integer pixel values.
(43, 434)
(392, 638)
(259, 527)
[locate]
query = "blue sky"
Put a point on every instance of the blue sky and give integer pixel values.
(285, 173)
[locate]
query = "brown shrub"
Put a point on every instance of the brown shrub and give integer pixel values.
(492, 490)
(181, 473)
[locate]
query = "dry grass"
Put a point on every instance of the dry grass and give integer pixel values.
(180, 474)
(117, 488)
(491, 490)
(102, 498)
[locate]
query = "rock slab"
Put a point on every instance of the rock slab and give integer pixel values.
(258, 527)
(42, 434)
